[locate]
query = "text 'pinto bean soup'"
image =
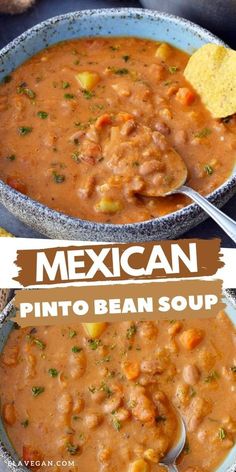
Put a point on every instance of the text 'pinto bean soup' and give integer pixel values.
(107, 396)
(85, 123)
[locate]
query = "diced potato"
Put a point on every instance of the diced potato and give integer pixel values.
(107, 205)
(151, 455)
(94, 330)
(190, 338)
(87, 80)
(163, 51)
(139, 466)
(131, 370)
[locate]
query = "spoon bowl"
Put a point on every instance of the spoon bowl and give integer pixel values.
(169, 461)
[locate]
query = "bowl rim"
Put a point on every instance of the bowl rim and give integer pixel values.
(77, 222)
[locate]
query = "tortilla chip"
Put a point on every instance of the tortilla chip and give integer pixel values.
(5, 234)
(211, 70)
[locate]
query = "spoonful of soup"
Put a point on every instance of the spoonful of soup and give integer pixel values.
(155, 169)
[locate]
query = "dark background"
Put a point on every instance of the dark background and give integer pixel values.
(12, 26)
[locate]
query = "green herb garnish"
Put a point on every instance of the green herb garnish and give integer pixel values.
(12, 157)
(122, 71)
(36, 341)
(53, 372)
(203, 133)
(233, 369)
(72, 449)
(42, 114)
(172, 69)
(94, 343)
(131, 331)
(58, 178)
(208, 169)
(25, 423)
(76, 349)
(222, 434)
(72, 333)
(65, 85)
(105, 388)
(126, 58)
(37, 391)
(186, 449)
(23, 130)
(116, 423)
(212, 376)
(26, 91)
(88, 94)
(75, 156)
(68, 96)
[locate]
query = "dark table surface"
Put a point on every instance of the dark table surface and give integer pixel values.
(12, 26)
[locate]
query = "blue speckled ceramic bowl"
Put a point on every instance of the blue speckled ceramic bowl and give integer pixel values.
(117, 22)
(7, 452)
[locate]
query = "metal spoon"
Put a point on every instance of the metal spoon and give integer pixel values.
(176, 168)
(169, 461)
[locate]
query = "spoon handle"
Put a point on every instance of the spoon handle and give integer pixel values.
(226, 223)
(172, 468)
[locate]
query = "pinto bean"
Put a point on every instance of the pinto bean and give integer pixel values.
(147, 330)
(92, 420)
(191, 374)
(151, 366)
(162, 127)
(112, 403)
(149, 167)
(128, 127)
(122, 414)
(144, 409)
(77, 365)
(160, 140)
(180, 137)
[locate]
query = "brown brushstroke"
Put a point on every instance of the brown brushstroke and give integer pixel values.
(155, 290)
(208, 261)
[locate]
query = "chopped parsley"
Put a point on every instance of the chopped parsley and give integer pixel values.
(94, 343)
(208, 169)
(12, 157)
(76, 349)
(222, 434)
(203, 133)
(72, 449)
(23, 130)
(126, 58)
(105, 388)
(233, 369)
(40, 344)
(212, 376)
(75, 156)
(26, 91)
(53, 372)
(65, 85)
(116, 424)
(122, 71)
(36, 391)
(68, 96)
(58, 178)
(192, 392)
(25, 423)
(114, 48)
(131, 331)
(42, 114)
(92, 388)
(172, 69)
(88, 94)
(72, 333)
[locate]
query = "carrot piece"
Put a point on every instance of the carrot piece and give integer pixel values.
(131, 370)
(31, 455)
(191, 338)
(185, 96)
(103, 120)
(123, 116)
(16, 184)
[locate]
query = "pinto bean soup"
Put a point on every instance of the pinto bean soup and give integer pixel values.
(109, 402)
(85, 122)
